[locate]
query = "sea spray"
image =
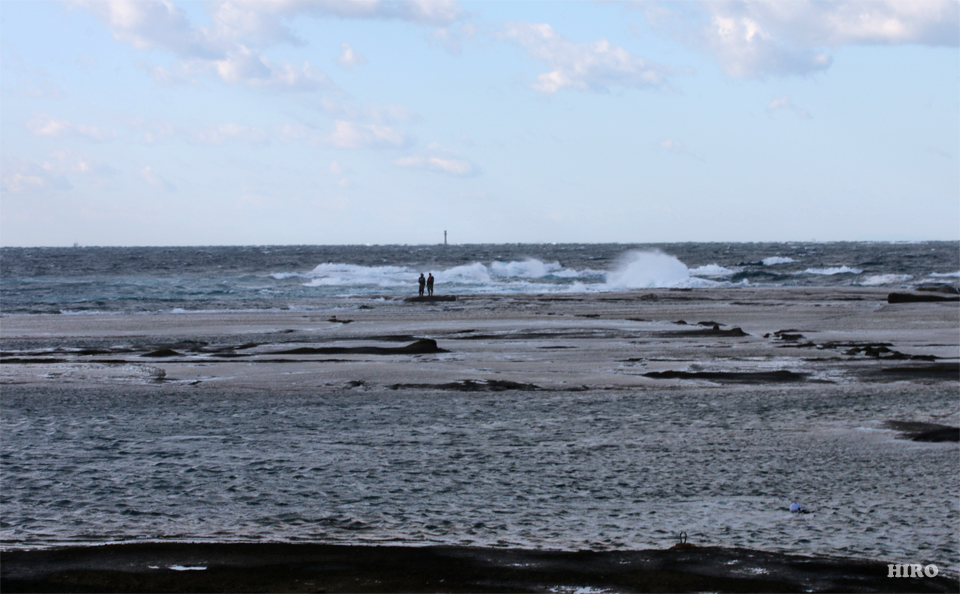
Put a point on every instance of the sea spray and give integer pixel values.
(468, 274)
(528, 268)
(647, 270)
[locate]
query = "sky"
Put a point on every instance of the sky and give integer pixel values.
(268, 122)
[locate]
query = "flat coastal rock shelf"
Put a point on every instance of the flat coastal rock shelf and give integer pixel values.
(598, 422)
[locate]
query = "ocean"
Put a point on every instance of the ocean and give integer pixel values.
(180, 279)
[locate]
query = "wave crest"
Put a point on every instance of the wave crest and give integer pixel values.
(832, 271)
(774, 260)
(648, 270)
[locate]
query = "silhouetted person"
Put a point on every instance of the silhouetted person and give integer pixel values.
(430, 284)
(422, 282)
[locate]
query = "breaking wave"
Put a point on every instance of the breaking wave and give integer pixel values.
(832, 271)
(712, 270)
(353, 275)
(654, 269)
(879, 280)
(774, 260)
(639, 269)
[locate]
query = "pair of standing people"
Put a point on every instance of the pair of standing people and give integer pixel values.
(426, 281)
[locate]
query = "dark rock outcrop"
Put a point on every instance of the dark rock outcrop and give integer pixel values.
(420, 347)
(739, 377)
(283, 567)
(430, 299)
(472, 386)
(920, 297)
(930, 432)
(162, 353)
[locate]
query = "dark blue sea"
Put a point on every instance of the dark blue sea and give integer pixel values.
(173, 279)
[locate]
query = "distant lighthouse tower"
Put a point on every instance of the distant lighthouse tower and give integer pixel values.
(444, 238)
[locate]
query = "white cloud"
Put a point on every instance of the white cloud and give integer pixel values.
(152, 24)
(845, 22)
(20, 176)
(263, 20)
(232, 46)
(745, 49)
(338, 170)
(451, 38)
(152, 130)
(755, 38)
(244, 66)
(154, 179)
(595, 66)
(352, 135)
(67, 161)
(449, 166)
(226, 50)
(784, 102)
(349, 57)
(184, 71)
(48, 126)
(679, 148)
(433, 12)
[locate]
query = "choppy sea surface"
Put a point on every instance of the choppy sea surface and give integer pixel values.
(111, 279)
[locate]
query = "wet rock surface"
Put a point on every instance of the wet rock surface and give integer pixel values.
(929, 432)
(533, 422)
(191, 567)
(732, 377)
(922, 297)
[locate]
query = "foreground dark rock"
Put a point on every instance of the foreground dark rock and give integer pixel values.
(162, 353)
(276, 567)
(921, 297)
(931, 432)
(430, 298)
(940, 371)
(470, 385)
(746, 377)
(422, 346)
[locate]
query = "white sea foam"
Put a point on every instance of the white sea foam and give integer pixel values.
(71, 312)
(945, 274)
(884, 279)
(353, 275)
(529, 268)
(774, 260)
(585, 273)
(512, 276)
(647, 270)
(711, 270)
(475, 273)
(832, 271)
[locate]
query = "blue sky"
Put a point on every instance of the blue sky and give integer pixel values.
(138, 122)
